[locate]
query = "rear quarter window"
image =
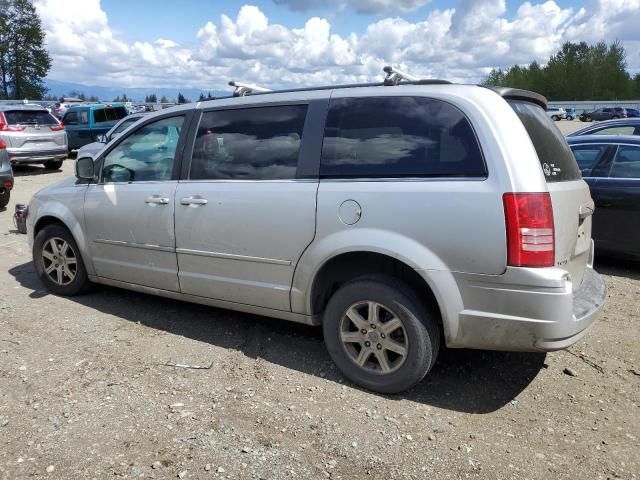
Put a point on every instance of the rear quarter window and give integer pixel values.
(556, 160)
(399, 137)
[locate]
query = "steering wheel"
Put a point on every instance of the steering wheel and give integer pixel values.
(106, 171)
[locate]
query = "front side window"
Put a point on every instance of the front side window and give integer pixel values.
(70, 118)
(260, 143)
(624, 130)
(588, 156)
(148, 154)
(399, 137)
(626, 163)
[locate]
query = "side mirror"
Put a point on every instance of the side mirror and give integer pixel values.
(85, 168)
(102, 138)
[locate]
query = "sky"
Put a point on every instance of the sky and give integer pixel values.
(292, 43)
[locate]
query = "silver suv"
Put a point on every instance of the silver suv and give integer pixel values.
(32, 135)
(397, 217)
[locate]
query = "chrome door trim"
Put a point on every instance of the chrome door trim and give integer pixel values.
(232, 256)
(145, 246)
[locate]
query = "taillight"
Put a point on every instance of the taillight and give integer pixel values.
(530, 231)
(2, 144)
(8, 128)
(57, 128)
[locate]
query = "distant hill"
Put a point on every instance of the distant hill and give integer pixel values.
(60, 89)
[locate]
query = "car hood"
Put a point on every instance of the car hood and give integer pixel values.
(49, 189)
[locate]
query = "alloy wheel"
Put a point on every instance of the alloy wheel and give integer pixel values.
(60, 261)
(374, 337)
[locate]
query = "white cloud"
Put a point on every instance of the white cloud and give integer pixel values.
(360, 6)
(459, 44)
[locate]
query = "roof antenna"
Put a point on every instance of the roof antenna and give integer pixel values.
(242, 89)
(394, 76)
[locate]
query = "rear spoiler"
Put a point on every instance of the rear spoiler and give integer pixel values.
(517, 94)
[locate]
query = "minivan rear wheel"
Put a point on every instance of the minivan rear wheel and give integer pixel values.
(53, 164)
(5, 196)
(58, 261)
(380, 335)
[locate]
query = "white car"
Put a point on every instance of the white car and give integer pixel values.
(556, 113)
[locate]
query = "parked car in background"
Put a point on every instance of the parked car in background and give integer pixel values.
(626, 126)
(92, 148)
(85, 122)
(6, 175)
(32, 135)
(395, 216)
(604, 114)
(633, 113)
(570, 113)
(556, 113)
(610, 164)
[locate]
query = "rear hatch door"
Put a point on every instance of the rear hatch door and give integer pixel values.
(570, 195)
(33, 130)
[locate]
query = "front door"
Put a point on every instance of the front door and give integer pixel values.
(244, 216)
(129, 213)
(617, 199)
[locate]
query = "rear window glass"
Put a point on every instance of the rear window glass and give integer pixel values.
(109, 114)
(399, 137)
(557, 162)
(29, 117)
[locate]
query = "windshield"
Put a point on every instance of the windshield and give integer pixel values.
(556, 160)
(124, 125)
(30, 117)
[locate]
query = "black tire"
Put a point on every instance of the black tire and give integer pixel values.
(80, 282)
(555, 118)
(53, 164)
(4, 198)
(420, 334)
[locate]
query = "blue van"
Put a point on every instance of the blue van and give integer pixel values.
(84, 123)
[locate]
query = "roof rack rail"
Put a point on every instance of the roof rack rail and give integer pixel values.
(395, 76)
(242, 89)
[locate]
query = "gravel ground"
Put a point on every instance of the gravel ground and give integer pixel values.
(85, 392)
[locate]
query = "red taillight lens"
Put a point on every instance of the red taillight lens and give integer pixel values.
(8, 128)
(2, 144)
(530, 231)
(57, 128)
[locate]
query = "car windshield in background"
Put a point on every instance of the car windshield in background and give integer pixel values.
(557, 162)
(30, 117)
(109, 114)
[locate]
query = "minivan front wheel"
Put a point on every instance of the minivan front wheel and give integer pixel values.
(58, 261)
(380, 335)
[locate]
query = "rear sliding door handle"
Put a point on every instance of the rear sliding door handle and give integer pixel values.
(157, 200)
(193, 200)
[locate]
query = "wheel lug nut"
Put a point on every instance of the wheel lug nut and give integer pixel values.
(363, 331)
(367, 344)
(379, 347)
(373, 326)
(382, 335)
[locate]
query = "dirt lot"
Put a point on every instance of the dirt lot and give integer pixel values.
(85, 393)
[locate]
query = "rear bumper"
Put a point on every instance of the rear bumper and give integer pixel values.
(527, 309)
(37, 156)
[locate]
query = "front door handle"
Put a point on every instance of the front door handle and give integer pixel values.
(193, 200)
(157, 200)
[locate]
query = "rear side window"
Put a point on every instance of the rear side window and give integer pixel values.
(556, 160)
(109, 114)
(70, 118)
(399, 137)
(29, 117)
(623, 130)
(626, 163)
(249, 144)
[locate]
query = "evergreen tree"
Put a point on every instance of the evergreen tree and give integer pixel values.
(24, 61)
(182, 99)
(202, 97)
(164, 99)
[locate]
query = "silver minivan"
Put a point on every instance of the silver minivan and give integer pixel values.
(399, 217)
(32, 135)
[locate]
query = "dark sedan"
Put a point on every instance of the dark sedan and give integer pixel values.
(610, 164)
(604, 114)
(625, 126)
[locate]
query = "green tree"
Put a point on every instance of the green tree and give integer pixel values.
(93, 98)
(164, 99)
(182, 99)
(24, 61)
